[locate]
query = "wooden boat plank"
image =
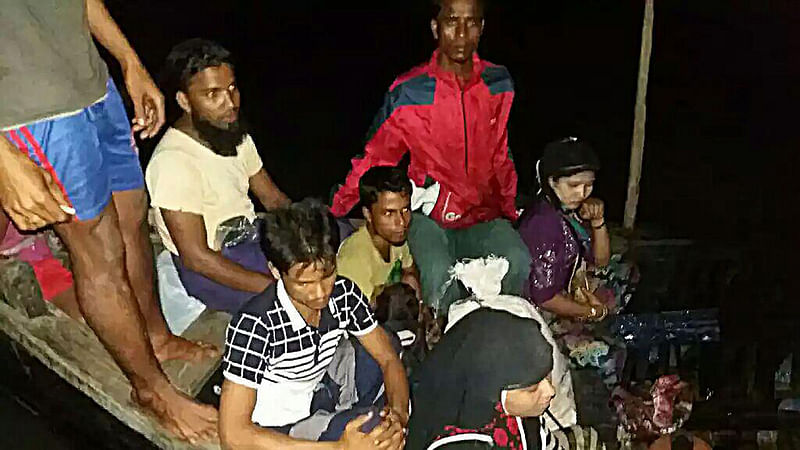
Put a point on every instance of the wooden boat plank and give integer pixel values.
(209, 328)
(72, 351)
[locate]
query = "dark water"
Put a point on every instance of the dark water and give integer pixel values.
(30, 430)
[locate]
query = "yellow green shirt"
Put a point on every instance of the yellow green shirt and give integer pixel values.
(360, 261)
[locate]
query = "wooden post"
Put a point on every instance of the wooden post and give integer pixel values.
(640, 115)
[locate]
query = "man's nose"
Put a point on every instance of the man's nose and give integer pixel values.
(229, 103)
(319, 290)
(461, 29)
(401, 221)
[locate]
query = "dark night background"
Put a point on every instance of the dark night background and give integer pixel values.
(721, 128)
(720, 102)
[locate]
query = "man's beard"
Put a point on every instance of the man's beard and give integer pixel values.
(223, 141)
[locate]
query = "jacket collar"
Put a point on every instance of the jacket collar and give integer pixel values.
(439, 73)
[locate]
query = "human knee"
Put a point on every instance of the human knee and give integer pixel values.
(93, 243)
(519, 260)
(424, 232)
(131, 209)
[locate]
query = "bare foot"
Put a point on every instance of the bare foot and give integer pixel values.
(183, 416)
(176, 347)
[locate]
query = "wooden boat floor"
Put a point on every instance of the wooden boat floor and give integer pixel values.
(73, 351)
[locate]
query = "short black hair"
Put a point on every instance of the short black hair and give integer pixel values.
(438, 5)
(382, 179)
(397, 302)
(302, 233)
(189, 58)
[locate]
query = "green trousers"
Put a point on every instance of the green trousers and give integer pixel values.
(436, 249)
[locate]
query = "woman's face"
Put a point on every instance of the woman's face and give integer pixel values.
(530, 401)
(574, 189)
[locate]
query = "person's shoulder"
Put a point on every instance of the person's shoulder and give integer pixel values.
(247, 143)
(345, 289)
(540, 214)
(171, 151)
(260, 305)
(497, 78)
(411, 74)
(415, 86)
(353, 244)
(173, 140)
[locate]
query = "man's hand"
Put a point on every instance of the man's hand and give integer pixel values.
(593, 210)
(400, 417)
(411, 278)
(386, 435)
(148, 102)
(28, 193)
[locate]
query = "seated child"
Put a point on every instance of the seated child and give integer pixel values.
(398, 311)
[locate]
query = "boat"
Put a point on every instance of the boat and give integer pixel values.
(71, 350)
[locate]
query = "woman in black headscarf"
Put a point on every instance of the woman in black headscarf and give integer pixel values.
(475, 389)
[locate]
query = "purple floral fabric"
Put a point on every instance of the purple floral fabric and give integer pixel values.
(554, 248)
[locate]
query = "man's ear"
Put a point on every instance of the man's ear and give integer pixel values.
(552, 183)
(435, 29)
(367, 214)
(183, 102)
(274, 271)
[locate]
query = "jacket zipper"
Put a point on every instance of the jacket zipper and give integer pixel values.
(466, 146)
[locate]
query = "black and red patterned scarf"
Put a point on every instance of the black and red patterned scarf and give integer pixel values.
(457, 389)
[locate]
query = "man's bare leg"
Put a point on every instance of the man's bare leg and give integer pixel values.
(108, 305)
(131, 208)
(68, 302)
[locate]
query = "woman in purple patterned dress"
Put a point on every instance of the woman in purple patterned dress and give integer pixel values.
(565, 231)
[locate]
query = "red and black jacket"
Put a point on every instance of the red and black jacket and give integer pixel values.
(457, 136)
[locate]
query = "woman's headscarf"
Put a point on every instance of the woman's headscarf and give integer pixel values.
(565, 156)
(461, 380)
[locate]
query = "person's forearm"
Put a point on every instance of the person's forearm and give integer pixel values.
(411, 278)
(106, 31)
(396, 383)
(216, 267)
(267, 192)
(253, 437)
(601, 246)
(563, 306)
(276, 199)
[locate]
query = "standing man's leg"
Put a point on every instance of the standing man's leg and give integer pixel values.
(129, 199)
(499, 238)
(69, 149)
(109, 307)
(131, 208)
(432, 250)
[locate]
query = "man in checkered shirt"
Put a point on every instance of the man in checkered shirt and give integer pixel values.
(280, 346)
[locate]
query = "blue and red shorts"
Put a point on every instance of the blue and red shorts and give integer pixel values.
(89, 154)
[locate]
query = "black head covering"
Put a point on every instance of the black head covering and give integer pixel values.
(461, 380)
(566, 155)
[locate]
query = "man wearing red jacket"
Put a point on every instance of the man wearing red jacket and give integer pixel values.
(451, 115)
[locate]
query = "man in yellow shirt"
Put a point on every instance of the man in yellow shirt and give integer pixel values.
(377, 254)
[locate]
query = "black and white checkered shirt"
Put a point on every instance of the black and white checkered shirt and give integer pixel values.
(270, 348)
